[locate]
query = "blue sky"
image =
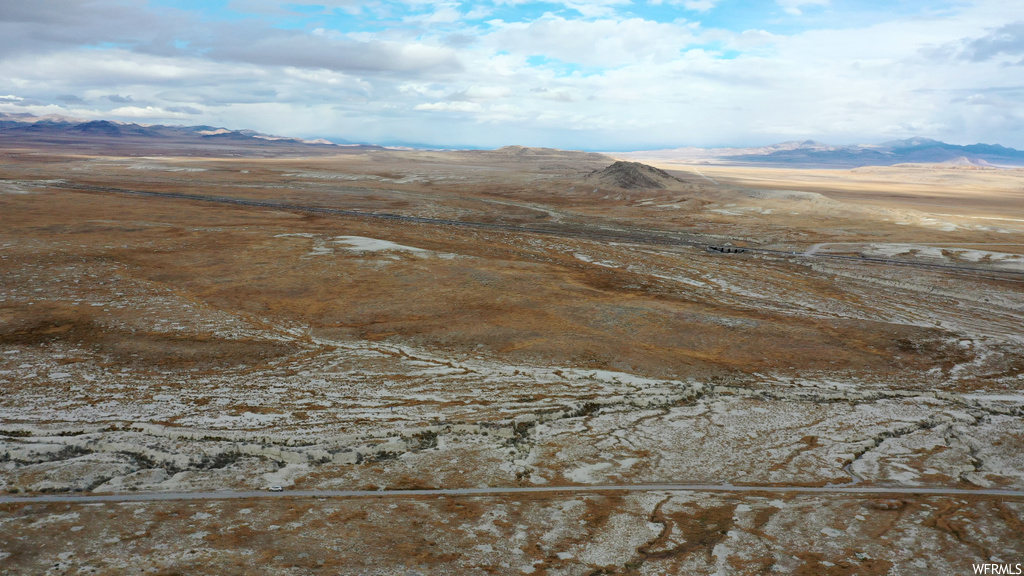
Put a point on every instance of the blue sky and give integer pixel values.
(589, 74)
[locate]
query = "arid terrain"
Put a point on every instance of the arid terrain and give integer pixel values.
(184, 321)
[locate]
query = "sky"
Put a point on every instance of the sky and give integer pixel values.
(588, 74)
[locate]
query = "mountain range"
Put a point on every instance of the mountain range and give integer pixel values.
(143, 138)
(812, 154)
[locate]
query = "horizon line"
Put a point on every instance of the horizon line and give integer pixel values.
(392, 143)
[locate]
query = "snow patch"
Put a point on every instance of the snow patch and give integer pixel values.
(585, 474)
(364, 244)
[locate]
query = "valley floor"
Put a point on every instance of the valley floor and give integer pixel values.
(162, 345)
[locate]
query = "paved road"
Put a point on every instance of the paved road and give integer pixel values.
(638, 237)
(499, 491)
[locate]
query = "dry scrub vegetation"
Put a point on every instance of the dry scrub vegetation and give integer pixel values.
(169, 344)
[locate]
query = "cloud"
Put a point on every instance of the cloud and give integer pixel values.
(695, 5)
(329, 79)
(595, 8)
(795, 7)
(1007, 40)
(914, 128)
(561, 95)
(184, 110)
(600, 43)
(450, 107)
(280, 7)
(39, 27)
(481, 93)
(33, 27)
(700, 5)
(459, 40)
(70, 99)
(596, 74)
(290, 48)
(152, 112)
(443, 12)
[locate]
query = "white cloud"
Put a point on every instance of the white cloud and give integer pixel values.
(795, 7)
(904, 129)
(478, 13)
(419, 89)
(147, 112)
(700, 5)
(328, 78)
(482, 93)
(444, 12)
(606, 80)
(695, 5)
(596, 8)
(457, 106)
(600, 43)
(587, 8)
(751, 39)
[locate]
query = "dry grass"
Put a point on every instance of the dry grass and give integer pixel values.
(477, 362)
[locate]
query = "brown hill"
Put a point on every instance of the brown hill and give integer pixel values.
(530, 153)
(632, 176)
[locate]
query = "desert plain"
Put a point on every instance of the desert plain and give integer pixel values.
(406, 323)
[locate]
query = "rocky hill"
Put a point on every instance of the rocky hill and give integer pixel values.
(632, 176)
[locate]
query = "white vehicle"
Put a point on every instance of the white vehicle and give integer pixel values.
(276, 488)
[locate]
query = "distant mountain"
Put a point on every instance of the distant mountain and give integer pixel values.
(104, 128)
(133, 139)
(532, 154)
(968, 162)
(811, 154)
(138, 138)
